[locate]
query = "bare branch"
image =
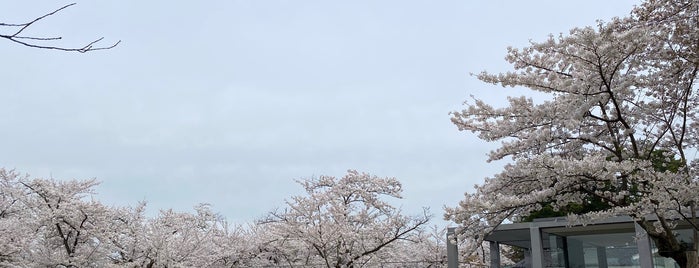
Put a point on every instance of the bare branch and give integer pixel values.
(23, 40)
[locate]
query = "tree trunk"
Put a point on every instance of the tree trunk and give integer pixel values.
(670, 247)
(692, 259)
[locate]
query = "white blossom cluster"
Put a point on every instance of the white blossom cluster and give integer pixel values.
(619, 127)
(344, 222)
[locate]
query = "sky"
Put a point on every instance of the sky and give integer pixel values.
(230, 102)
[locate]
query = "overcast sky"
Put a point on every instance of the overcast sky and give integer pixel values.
(228, 102)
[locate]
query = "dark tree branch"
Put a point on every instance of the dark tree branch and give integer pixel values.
(18, 38)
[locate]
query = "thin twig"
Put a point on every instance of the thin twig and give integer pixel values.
(26, 25)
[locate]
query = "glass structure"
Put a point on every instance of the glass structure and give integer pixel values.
(615, 243)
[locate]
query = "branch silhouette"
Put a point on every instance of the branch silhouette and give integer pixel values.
(17, 36)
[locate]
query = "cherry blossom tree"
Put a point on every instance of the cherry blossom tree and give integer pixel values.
(127, 233)
(184, 239)
(427, 247)
(343, 222)
(69, 229)
(270, 248)
(50, 223)
(173, 239)
(14, 238)
(617, 129)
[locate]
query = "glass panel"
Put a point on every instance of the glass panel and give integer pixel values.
(616, 250)
(554, 250)
(662, 262)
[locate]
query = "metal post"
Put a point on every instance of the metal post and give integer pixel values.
(537, 248)
(602, 257)
(452, 250)
(494, 254)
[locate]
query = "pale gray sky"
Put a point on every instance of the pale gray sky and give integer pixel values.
(227, 102)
